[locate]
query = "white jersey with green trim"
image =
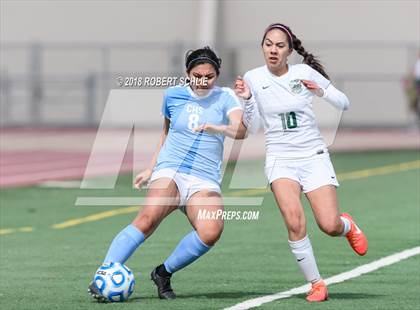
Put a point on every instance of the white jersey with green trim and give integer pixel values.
(285, 108)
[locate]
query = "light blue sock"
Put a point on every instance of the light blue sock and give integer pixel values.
(124, 244)
(187, 251)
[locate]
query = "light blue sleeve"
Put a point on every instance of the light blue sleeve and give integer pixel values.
(165, 110)
(231, 102)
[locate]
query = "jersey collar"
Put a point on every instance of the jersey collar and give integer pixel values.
(194, 95)
(276, 77)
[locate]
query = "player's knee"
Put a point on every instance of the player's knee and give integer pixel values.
(297, 231)
(331, 229)
(210, 234)
(296, 224)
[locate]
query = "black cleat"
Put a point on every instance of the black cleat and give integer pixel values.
(163, 284)
(95, 293)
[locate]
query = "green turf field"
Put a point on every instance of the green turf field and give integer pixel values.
(49, 268)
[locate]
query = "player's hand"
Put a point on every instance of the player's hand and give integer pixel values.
(241, 89)
(209, 128)
(313, 87)
(142, 178)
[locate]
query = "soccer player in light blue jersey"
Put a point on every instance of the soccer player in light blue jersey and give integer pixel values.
(185, 169)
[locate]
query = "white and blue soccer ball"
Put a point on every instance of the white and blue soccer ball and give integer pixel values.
(115, 281)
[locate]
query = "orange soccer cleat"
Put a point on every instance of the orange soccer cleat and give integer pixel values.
(318, 292)
(356, 237)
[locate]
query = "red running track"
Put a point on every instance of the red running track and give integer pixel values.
(30, 156)
(24, 168)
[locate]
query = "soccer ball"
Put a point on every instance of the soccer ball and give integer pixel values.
(115, 281)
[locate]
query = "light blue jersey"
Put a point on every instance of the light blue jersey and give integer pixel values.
(199, 154)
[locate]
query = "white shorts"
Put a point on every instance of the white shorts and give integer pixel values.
(187, 184)
(311, 173)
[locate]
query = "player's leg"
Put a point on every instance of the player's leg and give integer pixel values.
(162, 198)
(209, 229)
(287, 194)
(323, 201)
(195, 244)
(205, 234)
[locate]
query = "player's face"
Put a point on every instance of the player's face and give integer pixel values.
(204, 76)
(276, 49)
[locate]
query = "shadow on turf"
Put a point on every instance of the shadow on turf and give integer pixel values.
(241, 295)
(338, 296)
(217, 295)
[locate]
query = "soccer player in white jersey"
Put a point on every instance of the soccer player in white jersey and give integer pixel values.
(297, 158)
(185, 170)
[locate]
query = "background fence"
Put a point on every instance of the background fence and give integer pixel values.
(67, 84)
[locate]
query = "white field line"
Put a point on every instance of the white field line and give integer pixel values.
(356, 272)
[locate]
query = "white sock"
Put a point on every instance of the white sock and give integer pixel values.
(302, 249)
(347, 225)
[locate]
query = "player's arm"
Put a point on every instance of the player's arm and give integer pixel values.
(235, 129)
(330, 94)
(145, 175)
(250, 117)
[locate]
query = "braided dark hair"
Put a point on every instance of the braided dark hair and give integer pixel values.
(296, 44)
(202, 56)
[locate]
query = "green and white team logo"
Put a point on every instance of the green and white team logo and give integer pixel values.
(295, 86)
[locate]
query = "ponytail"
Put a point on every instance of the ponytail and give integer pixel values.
(308, 58)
